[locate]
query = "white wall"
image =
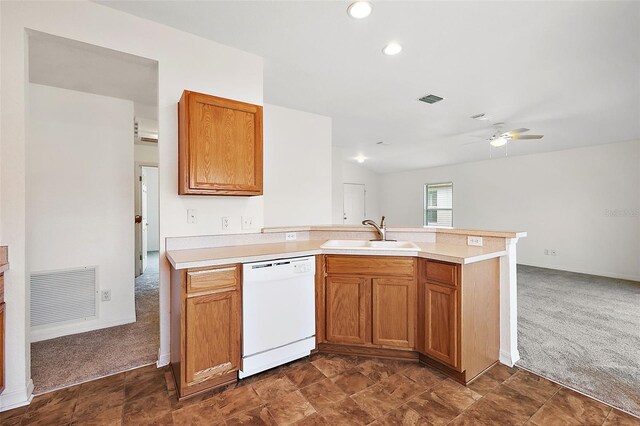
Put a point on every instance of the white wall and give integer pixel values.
(185, 61)
(297, 167)
(153, 217)
(352, 172)
(79, 196)
(147, 154)
(560, 198)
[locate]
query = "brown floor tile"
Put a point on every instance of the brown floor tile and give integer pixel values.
(313, 420)
(423, 375)
(352, 381)
(103, 386)
(500, 372)
(333, 365)
(290, 409)
(521, 406)
(377, 370)
(491, 413)
(465, 419)
(52, 408)
(454, 395)
(98, 422)
(618, 418)
(254, 417)
(136, 373)
(304, 374)
(147, 409)
(203, 413)
(376, 401)
(99, 415)
(404, 416)
(584, 409)
(101, 403)
(209, 396)
(549, 415)
(169, 380)
(144, 385)
(13, 417)
(323, 393)
(401, 387)
(432, 409)
(237, 400)
(532, 385)
(274, 387)
(483, 384)
(346, 413)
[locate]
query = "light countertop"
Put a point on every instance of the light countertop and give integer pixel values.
(196, 258)
(430, 229)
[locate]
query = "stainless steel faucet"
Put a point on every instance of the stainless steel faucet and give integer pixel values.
(381, 229)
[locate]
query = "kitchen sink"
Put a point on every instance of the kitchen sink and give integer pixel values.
(369, 245)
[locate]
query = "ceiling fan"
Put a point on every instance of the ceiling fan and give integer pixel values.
(500, 138)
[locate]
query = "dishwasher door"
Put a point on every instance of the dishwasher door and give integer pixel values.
(278, 304)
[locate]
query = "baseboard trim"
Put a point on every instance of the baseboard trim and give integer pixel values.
(17, 398)
(585, 271)
(163, 359)
(509, 359)
(75, 328)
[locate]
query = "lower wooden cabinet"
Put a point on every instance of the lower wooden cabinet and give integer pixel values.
(206, 318)
(2, 328)
(212, 336)
(439, 320)
(366, 305)
(347, 309)
(394, 312)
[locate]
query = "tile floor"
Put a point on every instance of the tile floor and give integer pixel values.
(323, 390)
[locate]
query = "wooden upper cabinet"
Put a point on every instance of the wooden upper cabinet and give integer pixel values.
(219, 146)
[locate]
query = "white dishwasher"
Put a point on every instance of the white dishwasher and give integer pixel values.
(278, 313)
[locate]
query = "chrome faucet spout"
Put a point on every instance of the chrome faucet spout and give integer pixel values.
(380, 229)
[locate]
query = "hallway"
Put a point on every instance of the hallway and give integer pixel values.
(68, 360)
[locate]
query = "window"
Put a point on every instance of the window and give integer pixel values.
(438, 204)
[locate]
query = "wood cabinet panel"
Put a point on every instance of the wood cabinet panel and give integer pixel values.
(394, 312)
(220, 146)
(371, 265)
(347, 309)
(212, 336)
(440, 314)
(2, 360)
(213, 279)
(439, 272)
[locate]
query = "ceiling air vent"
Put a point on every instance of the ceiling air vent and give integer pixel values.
(431, 99)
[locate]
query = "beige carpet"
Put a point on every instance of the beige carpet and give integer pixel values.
(582, 331)
(68, 360)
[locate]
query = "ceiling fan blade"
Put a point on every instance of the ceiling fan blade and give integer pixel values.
(527, 136)
(516, 131)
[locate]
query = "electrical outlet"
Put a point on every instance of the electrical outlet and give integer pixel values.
(225, 223)
(553, 252)
(546, 252)
(474, 241)
(290, 236)
(247, 222)
(192, 216)
(105, 295)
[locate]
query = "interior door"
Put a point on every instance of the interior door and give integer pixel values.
(354, 203)
(145, 221)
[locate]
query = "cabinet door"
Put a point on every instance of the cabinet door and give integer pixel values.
(347, 309)
(2, 325)
(222, 146)
(439, 317)
(394, 311)
(212, 336)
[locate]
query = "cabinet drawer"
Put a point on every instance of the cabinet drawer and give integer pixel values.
(213, 279)
(371, 265)
(443, 273)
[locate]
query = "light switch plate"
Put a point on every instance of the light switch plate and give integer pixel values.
(247, 222)
(474, 241)
(192, 216)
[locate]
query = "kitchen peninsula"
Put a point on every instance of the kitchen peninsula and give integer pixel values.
(431, 297)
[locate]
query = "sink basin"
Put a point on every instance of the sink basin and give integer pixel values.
(369, 245)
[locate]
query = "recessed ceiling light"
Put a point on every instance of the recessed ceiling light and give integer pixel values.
(359, 9)
(360, 158)
(392, 49)
(498, 142)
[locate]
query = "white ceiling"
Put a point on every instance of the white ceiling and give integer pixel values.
(568, 70)
(69, 64)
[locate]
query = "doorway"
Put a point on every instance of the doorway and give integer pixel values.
(147, 218)
(90, 316)
(354, 208)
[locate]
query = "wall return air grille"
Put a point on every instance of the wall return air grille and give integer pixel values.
(61, 296)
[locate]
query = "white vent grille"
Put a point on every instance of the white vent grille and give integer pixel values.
(61, 296)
